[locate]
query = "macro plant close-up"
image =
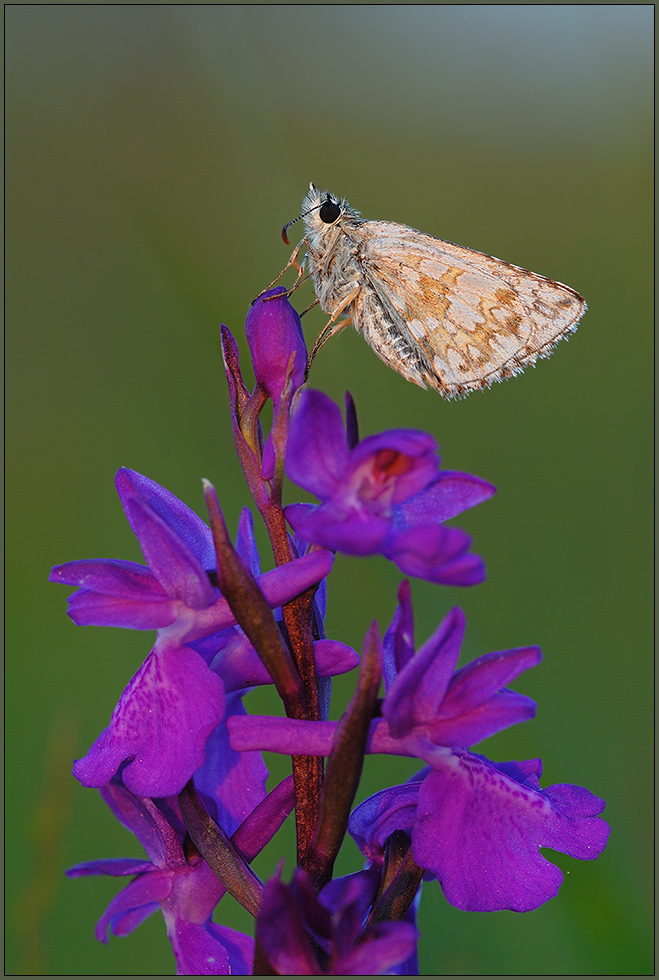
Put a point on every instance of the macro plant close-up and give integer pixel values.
(352, 699)
(181, 765)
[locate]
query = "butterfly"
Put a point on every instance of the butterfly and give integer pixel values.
(443, 316)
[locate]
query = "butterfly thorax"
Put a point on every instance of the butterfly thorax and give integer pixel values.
(332, 246)
(333, 258)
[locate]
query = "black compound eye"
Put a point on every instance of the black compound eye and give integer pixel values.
(329, 212)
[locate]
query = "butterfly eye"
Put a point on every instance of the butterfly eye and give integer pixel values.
(329, 212)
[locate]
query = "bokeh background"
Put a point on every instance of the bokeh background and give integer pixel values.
(153, 154)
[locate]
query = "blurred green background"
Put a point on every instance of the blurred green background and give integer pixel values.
(153, 154)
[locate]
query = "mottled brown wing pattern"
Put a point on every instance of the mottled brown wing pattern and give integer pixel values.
(453, 318)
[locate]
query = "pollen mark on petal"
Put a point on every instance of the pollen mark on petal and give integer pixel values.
(389, 463)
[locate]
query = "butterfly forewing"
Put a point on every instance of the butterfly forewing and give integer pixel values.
(475, 318)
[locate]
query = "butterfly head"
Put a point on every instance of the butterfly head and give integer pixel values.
(321, 211)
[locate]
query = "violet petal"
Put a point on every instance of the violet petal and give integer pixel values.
(281, 933)
(115, 867)
(479, 829)
(398, 642)
(96, 609)
(115, 593)
(134, 903)
(355, 532)
(382, 947)
(142, 818)
(274, 333)
(285, 735)
(415, 697)
(159, 727)
(197, 950)
(374, 820)
(171, 561)
(451, 494)
(437, 554)
(235, 781)
(475, 683)
(317, 451)
(503, 709)
(183, 521)
(246, 542)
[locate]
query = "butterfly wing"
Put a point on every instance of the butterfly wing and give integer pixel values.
(453, 318)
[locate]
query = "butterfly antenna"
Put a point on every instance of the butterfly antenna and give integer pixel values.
(316, 207)
(286, 227)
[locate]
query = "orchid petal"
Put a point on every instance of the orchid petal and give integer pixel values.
(479, 828)
(173, 692)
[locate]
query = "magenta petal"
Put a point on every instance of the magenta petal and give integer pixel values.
(416, 695)
(115, 593)
(340, 892)
(274, 334)
(279, 585)
(269, 460)
(503, 709)
(95, 609)
(437, 554)
(235, 781)
(464, 570)
(134, 903)
(187, 525)
(246, 542)
(160, 725)
(333, 526)
(265, 819)
(142, 818)
(287, 581)
(479, 680)
(577, 802)
(126, 922)
(116, 867)
(334, 657)
(452, 493)
(317, 451)
(239, 665)
(169, 558)
(414, 452)
(197, 951)
(479, 830)
(281, 932)
(285, 735)
(398, 642)
(382, 947)
(124, 579)
(374, 820)
(239, 947)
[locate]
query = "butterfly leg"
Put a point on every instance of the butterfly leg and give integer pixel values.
(310, 307)
(332, 327)
(291, 262)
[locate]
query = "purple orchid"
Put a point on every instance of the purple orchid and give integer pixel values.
(274, 335)
(179, 882)
(176, 588)
(279, 357)
(291, 915)
(476, 825)
(386, 495)
(159, 728)
(181, 765)
(233, 782)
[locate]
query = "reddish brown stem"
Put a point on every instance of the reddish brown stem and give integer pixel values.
(298, 617)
